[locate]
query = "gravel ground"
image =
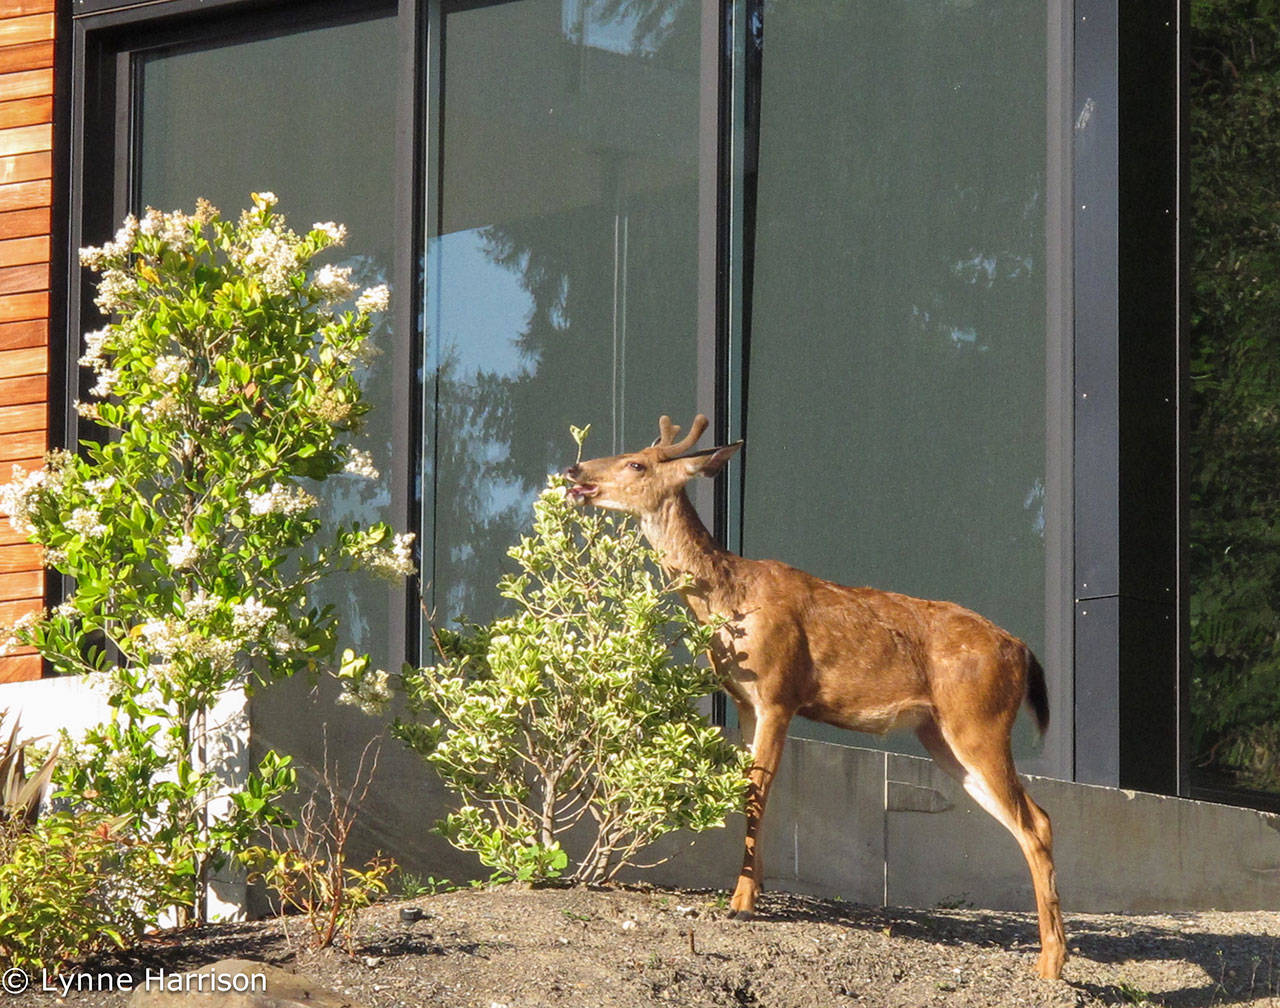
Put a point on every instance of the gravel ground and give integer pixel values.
(513, 947)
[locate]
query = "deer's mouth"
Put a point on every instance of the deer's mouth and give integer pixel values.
(579, 492)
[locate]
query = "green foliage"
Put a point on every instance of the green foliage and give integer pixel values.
(226, 387)
(74, 885)
(1234, 402)
(573, 709)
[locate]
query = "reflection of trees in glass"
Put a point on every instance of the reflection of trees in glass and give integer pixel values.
(607, 267)
(1234, 443)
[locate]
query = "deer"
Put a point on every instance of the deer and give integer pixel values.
(788, 643)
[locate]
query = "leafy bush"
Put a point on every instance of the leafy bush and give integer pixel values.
(573, 710)
(75, 884)
(226, 386)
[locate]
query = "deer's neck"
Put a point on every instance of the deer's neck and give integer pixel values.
(686, 547)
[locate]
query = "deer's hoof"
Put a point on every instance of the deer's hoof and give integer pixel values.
(1049, 965)
(741, 915)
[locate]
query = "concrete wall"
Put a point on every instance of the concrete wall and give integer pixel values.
(875, 827)
(858, 824)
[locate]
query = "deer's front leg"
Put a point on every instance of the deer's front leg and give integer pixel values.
(766, 751)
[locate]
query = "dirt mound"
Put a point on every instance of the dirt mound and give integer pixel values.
(513, 947)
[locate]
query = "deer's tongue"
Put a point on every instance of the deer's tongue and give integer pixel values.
(583, 491)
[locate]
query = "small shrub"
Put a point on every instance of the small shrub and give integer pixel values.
(574, 709)
(306, 865)
(76, 884)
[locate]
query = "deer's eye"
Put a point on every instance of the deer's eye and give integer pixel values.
(637, 466)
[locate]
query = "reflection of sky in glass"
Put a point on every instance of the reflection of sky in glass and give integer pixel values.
(586, 22)
(481, 308)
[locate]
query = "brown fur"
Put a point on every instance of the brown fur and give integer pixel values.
(855, 658)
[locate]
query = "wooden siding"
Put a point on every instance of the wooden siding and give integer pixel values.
(26, 196)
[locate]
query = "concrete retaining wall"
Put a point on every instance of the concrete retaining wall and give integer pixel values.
(875, 827)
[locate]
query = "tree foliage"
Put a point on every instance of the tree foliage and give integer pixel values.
(1234, 447)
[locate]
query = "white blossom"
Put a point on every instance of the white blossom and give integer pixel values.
(86, 521)
(249, 617)
(280, 499)
(336, 233)
(373, 299)
(107, 379)
(334, 283)
(201, 605)
(360, 463)
(371, 693)
(169, 368)
(114, 290)
(388, 562)
(182, 553)
(274, 258)
(93, 342)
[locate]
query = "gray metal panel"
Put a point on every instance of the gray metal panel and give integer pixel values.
(1096, 269)
(1097, 725)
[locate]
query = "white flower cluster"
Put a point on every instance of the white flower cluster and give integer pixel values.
(274, 257)
(107, 378)
(336, 233)
(391, 563)
(93, 343)
(250, 617)
(280, 499)
(371, 693)
(97, 257)
(360, 463)
(87, 522)
(201, 605)
(18, 497)
(168, 638)
(182, 553)
(168, 368)
(11, 636)
(114, 290)
(373, 299)
(334, 283)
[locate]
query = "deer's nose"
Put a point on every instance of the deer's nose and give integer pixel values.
(573, 471)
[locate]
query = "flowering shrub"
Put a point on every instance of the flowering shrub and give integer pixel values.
(227, 387)
(574, 709)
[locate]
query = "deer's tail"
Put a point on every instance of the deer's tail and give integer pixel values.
(1037, 693)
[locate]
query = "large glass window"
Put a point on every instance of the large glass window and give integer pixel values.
(563, 259)
(895, 374)
(307, 114)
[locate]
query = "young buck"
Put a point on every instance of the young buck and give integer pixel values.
(856, 658)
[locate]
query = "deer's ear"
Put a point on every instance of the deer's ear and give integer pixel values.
(710, 463)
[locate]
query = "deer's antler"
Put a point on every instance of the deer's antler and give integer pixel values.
(666, 443)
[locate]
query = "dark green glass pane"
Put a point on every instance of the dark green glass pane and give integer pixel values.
(896, 377)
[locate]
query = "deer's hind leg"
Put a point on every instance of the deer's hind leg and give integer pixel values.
(983, 764)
